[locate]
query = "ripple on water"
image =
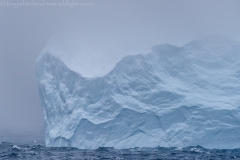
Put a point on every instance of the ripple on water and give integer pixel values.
(23, 151)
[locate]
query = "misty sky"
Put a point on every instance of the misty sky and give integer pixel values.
(24, 31)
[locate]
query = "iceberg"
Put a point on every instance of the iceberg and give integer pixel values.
(169, 96)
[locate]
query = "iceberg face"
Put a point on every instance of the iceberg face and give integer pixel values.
(173, 96)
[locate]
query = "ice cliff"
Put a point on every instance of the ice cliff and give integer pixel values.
(173, 96)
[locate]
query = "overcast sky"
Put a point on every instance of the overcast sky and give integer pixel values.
(25, 30)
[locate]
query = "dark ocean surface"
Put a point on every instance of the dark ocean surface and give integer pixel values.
(31, 146)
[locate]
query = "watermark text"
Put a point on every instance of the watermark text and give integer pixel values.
(45, 3)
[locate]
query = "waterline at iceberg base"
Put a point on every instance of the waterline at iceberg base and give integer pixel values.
(173, 96)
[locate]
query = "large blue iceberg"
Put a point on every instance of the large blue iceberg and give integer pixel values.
(172, 96)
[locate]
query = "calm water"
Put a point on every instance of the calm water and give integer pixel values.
(31, 146)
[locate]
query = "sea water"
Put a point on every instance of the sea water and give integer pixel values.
(31, 146)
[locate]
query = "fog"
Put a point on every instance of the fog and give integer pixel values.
(25, 30)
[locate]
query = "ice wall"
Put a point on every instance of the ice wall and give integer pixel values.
(173, 96)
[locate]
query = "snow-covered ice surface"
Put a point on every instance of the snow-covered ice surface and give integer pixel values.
(173, 96)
